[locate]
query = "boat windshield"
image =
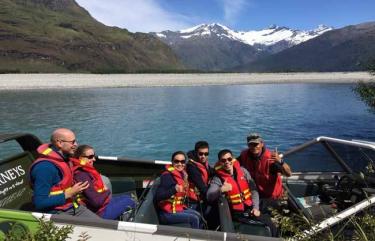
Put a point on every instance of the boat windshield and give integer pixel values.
(331, 156)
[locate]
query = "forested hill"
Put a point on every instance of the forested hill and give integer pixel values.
(60, 36)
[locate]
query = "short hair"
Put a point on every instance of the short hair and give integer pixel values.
(223, 152)
(177, 153)
(81, 149)
(200, 145)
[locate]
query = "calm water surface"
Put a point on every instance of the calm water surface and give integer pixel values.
(154, 122)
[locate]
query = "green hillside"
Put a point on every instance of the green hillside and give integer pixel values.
(60, 36)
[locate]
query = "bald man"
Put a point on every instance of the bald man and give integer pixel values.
(52, 180)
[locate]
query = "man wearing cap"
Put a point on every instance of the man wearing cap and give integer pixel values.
(265, 167)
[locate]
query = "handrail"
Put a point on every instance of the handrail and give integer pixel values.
(130, 159)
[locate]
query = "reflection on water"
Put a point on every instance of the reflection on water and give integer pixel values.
(154, 122)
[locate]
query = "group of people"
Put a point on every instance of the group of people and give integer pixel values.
(190, 188)
(65, 181)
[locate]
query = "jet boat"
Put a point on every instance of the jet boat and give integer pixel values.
(332, 179)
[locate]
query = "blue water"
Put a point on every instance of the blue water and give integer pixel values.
(151, 123)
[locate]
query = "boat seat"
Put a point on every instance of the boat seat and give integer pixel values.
(15, 191)
(244, 226)
(147, 212)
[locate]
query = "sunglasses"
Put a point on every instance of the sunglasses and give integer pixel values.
(203, 153)
(179, 161)
(90, 156)
(229, 159)
(71, 142)
(253, 144)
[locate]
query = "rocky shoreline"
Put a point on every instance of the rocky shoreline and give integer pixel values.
(57, 81)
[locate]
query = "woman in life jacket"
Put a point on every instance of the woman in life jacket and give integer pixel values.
(171, 194)
(97, 197)
(236, 184)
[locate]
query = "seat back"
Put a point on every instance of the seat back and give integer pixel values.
(147, 212)
(226, 224)
(15, 191)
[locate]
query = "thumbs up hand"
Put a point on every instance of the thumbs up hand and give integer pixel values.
(226, 187)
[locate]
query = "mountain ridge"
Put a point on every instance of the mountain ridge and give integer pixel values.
(349, 48)
(215, 47)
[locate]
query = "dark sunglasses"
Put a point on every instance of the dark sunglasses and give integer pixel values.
(179, 161)
(229, 159)
(253, 144)
(203, 153)
(90, 156)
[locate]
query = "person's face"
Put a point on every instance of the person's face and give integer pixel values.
(255, 148)
(89, 156)
(226, 160)
(67, 143)
(179, 162)
(203, 155)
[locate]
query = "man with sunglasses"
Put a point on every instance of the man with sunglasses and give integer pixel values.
(52, 180)
(266, 168)
(200, 173)
(236, 184)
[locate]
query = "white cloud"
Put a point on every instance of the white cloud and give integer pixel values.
(135, 15)
(232, 9)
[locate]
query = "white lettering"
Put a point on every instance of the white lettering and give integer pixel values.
(12, 174)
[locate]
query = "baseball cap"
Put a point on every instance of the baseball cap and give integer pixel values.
(254, 138)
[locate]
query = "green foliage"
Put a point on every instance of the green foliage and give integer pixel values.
(366, 91)
(360, 227)
(47, 231)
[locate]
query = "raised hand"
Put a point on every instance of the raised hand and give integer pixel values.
(179, 188)
(275, 156)
(226, 187)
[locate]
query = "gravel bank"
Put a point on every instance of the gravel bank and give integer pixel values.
(54, 81)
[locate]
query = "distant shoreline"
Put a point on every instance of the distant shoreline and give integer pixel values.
(73, 81)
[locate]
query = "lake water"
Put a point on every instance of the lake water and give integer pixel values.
(151, 123)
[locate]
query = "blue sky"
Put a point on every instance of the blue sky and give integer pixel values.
(158, 15)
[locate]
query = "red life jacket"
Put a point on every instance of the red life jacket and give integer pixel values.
(47, 154)
(269, 185)
(240, 193)
(193, 192)
(175, 203)
(98, 185)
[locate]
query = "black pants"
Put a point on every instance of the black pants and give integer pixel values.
(263, 218)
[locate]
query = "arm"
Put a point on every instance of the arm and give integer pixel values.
(44, 176)
(279, 165)
(253, 188)
(214, 190)
(93, 198)
(166, 189)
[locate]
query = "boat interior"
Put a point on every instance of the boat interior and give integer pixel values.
(328, 177)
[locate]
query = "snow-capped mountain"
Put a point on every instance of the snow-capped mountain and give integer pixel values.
(268, 36)
(217, 47)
